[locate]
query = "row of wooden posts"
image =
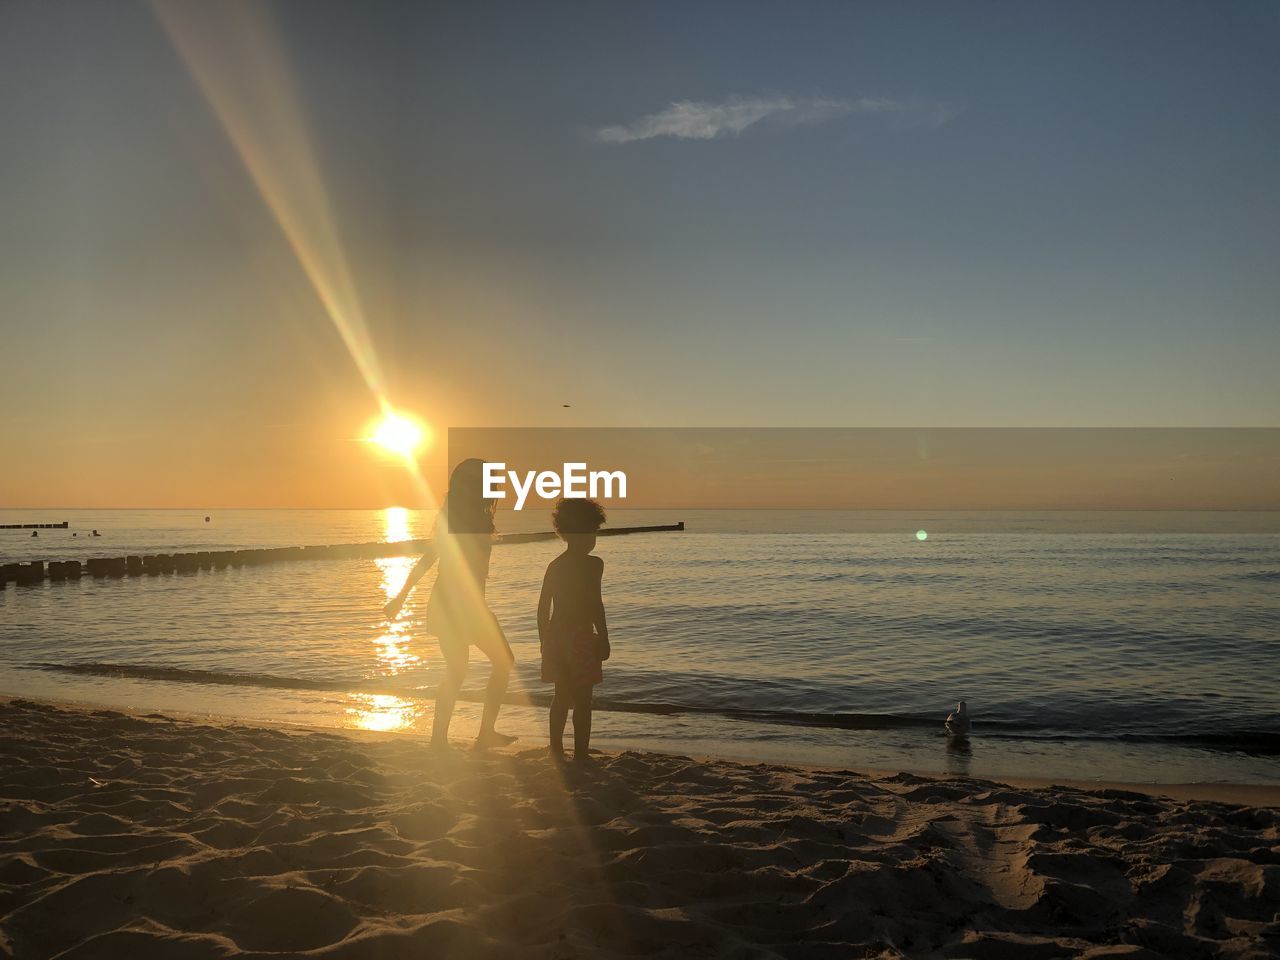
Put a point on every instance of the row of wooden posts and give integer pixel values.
(34, 526)
(150, 564)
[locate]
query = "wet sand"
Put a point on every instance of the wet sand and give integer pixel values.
(149, 836)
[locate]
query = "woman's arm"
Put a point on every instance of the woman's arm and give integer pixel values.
(425, 562)
(597, 614)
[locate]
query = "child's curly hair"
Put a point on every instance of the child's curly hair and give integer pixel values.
(576, 515)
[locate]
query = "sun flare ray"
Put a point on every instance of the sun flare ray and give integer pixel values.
(234, 55)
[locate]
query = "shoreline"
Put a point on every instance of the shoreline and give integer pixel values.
(1240, 794)
(138, 835)
(1228, 791)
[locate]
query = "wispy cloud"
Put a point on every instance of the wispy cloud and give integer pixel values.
(700, 120)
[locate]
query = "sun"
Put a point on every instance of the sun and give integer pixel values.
(398, 433)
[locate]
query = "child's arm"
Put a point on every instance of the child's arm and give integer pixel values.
(544, 608)
(425, 562)
(597, 615)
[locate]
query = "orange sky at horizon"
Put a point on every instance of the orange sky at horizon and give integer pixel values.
(819, 468)
(286, 467)
(906, 468)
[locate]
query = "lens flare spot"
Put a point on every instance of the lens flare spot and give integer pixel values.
(922, 535)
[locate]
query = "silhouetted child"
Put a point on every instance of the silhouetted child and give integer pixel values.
(571, 625)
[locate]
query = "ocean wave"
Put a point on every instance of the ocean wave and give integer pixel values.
(1262, 742)
(1263, 576)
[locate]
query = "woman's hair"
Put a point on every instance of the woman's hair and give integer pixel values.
(465, 509)
(576, 515)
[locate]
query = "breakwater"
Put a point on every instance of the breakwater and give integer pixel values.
(152, 564)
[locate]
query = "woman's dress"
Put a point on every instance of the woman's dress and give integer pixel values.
(457, 612)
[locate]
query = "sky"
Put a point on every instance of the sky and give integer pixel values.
(229, 232)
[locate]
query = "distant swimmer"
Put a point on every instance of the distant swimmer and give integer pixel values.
(958, 723)
(95, 534)
(35, 533)
(206, 519)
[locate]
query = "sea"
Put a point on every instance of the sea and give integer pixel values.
(1131, 646)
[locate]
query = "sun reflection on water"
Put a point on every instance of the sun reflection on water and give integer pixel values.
(395, 525)
(393, 642)
(382, 712)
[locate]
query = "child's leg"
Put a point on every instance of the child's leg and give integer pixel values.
(559, 714)
(581, 723)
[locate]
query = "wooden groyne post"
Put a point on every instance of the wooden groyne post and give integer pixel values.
(510, 538)
(153, 564)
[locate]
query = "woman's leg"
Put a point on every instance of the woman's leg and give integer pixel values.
(581, 723)
(501, 659)
(559, 714)
(455, 671)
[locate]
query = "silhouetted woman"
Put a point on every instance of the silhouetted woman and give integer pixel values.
(457, 612)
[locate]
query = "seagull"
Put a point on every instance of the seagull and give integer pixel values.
(958, 723)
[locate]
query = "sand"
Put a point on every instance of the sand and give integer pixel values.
(141, 837)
